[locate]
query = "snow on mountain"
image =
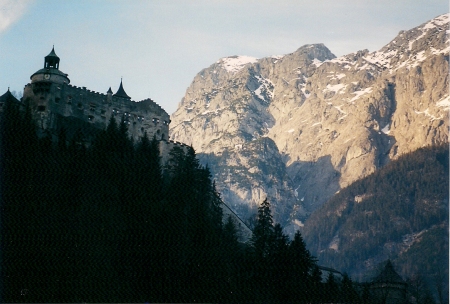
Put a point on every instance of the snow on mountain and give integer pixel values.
(306, 124)
(234, 64)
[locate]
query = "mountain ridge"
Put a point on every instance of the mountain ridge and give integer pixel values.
(321, 121)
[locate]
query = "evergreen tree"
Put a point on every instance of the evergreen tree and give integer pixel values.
(301, 268)
(331, 290)
(348, 292)
(261, 243)
(279, 265)
(263, 232)
(316, 285)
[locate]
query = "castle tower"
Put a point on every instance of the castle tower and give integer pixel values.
(51, 60)
(109, 95)
(389, 286)
(45, 89)
(50, 72)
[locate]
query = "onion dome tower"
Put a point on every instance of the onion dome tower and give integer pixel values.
(50, 72)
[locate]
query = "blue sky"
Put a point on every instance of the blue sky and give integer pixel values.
(158, 46)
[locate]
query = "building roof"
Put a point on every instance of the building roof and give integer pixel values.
(8, 96)
(388, 275)
(109, 91)
(52, 53)
(121, 92)
(50, 71)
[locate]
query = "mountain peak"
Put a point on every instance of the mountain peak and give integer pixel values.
(301, 126)
(233, 64)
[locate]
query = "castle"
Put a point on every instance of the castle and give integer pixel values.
(56, 103)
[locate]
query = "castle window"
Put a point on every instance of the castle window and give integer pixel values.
(41, 108)
(103, 113)
(91, 118)
(92, 107)
(57, 99)
(69, 99)
(80, 106)
(142, 129)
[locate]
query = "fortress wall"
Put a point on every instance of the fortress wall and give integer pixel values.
(50, 99)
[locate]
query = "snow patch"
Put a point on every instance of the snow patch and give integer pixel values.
(381, 59)
(334, 244)
(339, 109)
(265, 85)
(386, 129)
(304, 92)
(317, 62)
(277, 56)
(360, 93)
(234, 64)
(426, 113)
(298, 223)
(444, 102)
(335, 87)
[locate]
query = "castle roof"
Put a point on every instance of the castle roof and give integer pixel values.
(50, 71)
(388, 275)
(109, 91)
(52, 53)
(8, 96)
(121, 92)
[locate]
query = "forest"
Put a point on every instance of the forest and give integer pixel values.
(399, 211)
(109, 223)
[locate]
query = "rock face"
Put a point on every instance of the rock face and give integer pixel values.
(297, 128)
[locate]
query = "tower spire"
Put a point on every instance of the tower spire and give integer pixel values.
(121, 92)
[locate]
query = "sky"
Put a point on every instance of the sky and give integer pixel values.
(158, 46)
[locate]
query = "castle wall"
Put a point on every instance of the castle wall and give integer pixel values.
(48, 100)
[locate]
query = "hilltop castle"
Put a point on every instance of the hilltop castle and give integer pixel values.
(56, 103)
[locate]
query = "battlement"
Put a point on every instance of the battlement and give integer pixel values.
(165, 146)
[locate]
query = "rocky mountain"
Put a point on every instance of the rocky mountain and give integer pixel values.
(400, 212)
(299, 127)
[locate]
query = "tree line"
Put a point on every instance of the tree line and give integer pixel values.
(111, 223)
(409, 196)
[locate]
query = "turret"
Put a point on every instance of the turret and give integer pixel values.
(121, 92)
(50, 72)
(109, 95)
(51, 60)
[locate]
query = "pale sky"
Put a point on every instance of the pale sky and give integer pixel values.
(158, 46)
